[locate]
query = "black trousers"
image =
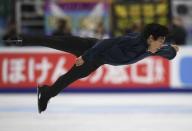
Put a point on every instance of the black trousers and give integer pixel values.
(72, 44)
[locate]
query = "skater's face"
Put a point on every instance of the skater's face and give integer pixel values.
(155, 44)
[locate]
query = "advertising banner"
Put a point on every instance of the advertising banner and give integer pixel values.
(181, 69)
(25, 67)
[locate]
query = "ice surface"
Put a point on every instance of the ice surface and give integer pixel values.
(98, 112)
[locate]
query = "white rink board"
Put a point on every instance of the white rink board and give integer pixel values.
(98, 112)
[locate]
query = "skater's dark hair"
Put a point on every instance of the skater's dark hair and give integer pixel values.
(156, 30)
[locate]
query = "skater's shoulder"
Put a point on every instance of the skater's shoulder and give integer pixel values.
(132, 35)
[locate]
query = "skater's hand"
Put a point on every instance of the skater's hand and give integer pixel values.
(175, 47)
(79, 61)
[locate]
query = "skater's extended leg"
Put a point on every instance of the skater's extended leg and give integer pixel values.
(71, 44)
(75, 73)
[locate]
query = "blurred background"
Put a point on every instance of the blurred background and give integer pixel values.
(153, 94)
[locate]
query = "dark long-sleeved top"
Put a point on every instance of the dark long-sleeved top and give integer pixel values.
(125, 50)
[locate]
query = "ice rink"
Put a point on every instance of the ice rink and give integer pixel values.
(98, 112)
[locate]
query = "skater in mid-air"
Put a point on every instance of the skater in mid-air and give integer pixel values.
(92, 53)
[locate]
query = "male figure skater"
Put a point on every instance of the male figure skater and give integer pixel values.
(92, 53)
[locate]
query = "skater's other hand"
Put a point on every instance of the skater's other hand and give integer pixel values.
(79, 61)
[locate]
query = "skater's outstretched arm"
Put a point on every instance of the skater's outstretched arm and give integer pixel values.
(168, 51)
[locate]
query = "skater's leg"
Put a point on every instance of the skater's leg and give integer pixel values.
(71, 44)
(74, 74)
(45, 93)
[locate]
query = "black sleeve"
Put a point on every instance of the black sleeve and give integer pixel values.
(167, 52)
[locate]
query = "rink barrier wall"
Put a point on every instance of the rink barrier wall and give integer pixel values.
(24, 67)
